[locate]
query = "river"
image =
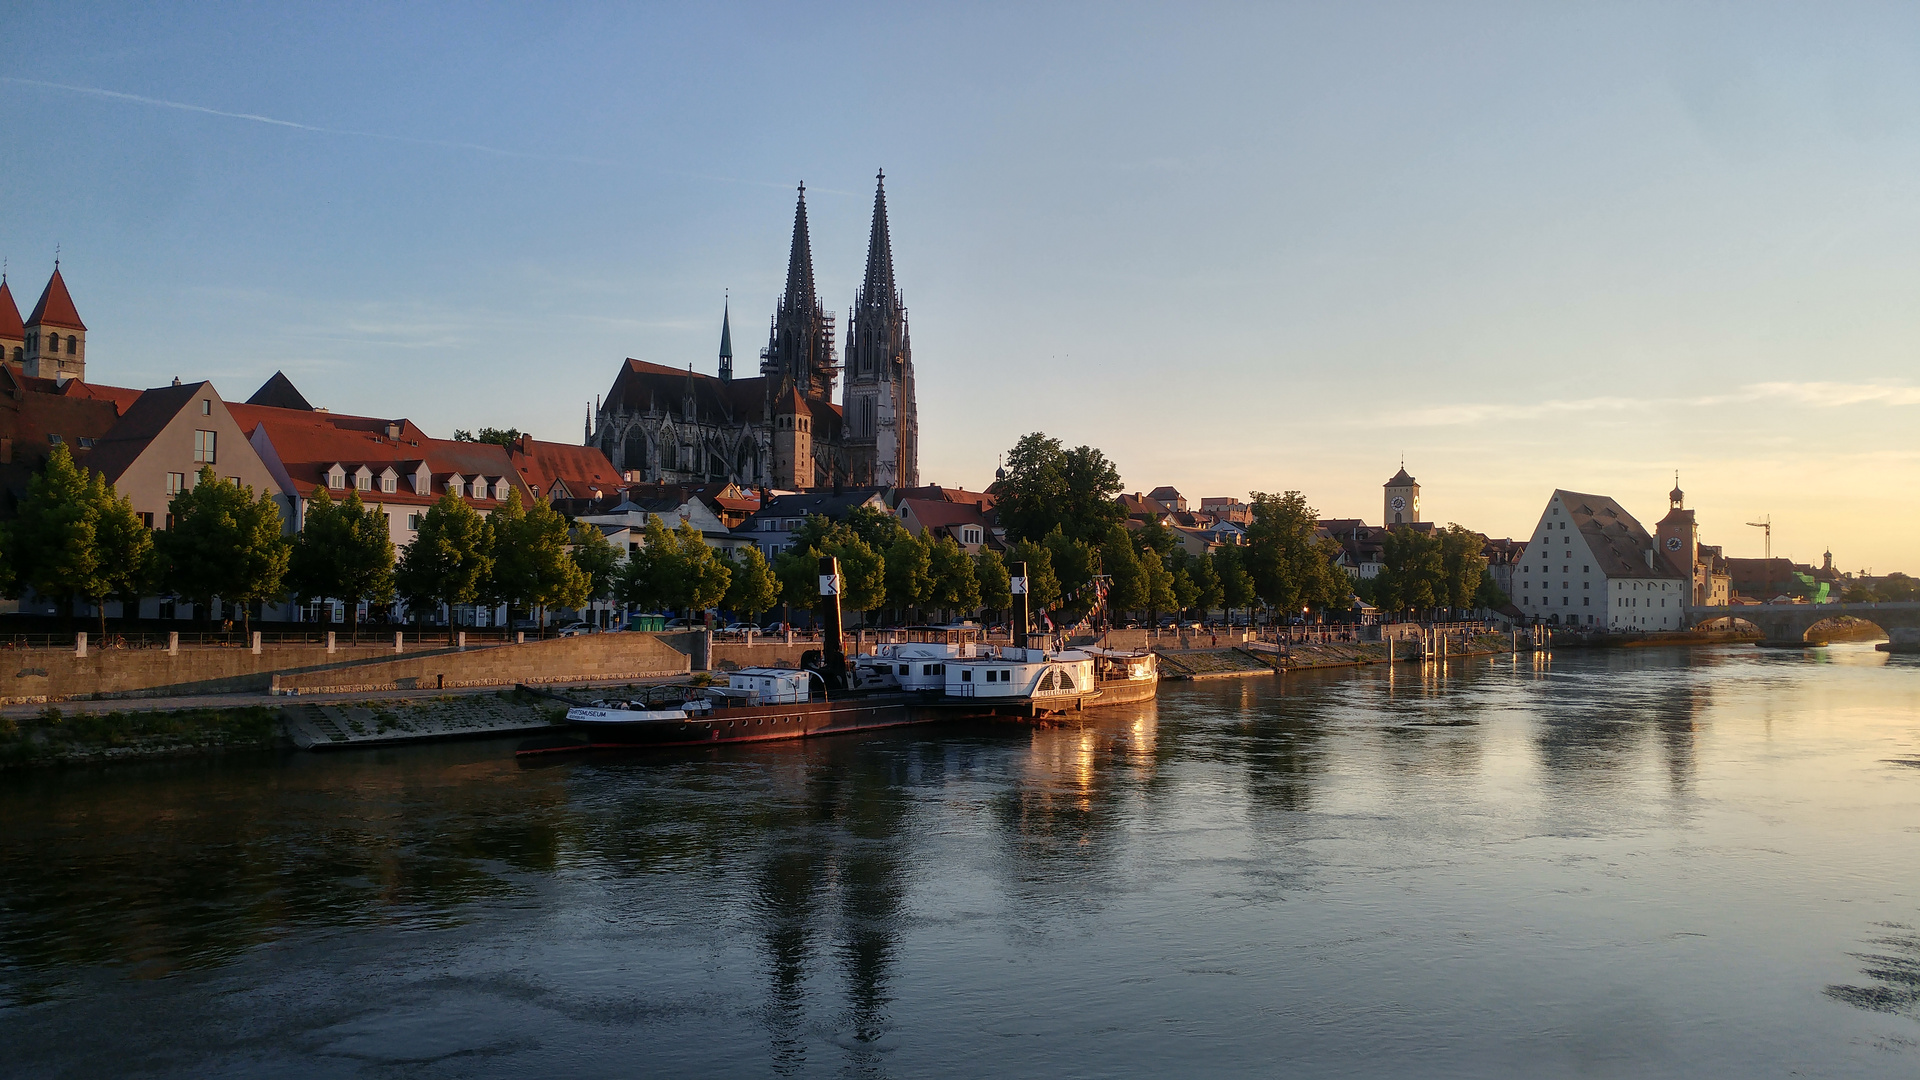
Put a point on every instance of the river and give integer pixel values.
(1625, 863)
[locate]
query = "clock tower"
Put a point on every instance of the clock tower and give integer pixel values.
(1402, 505)
(1677, 538)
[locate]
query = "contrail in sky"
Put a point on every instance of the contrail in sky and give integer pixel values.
(116, 95)
(163, 103)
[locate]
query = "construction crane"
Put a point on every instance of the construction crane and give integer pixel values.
(1767, 525)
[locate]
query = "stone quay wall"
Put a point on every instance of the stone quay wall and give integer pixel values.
(586, 658)
(29, 676)
(33, 676)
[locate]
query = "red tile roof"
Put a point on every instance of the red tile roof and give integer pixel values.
(582, 472)
(303, 446)
(29, 415)
(10, 324)
(940, 514)
(122, 397)
(56, 307)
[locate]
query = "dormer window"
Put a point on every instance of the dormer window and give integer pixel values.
(389, 482)
(337, 478)
(363, 482)
(500, 488)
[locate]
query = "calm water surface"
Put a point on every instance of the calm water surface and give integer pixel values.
(1645, 863)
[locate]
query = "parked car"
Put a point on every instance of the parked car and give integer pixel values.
(574, 629)
(685, 624)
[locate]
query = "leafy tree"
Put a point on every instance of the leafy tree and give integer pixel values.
(1207, 591)
(75, 536)
(1489, 594)
(1157, 538)
(1043, 587)
(497, 436)
(532, 565)
(449, 560)
(1291, 567)
(996, 589)
(1158, 584)
(1462, 565)
(703, 576)
(1126, 578)
(1048, 487)
(1412, 572)
(345, 552)
(1185, 593)
(752, 588)
(640, 580)
(1073, 563)
(225, 542)
(52, 541)
(799, 575)
(873, 526)
(953, 585)
(674, 569)
(125, 548)
(909, 572)
(597, 558)
(1236, 586)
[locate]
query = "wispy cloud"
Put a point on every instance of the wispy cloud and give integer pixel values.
(1829, 395)
(1482, 412)
(163, 103)
(1822, 395)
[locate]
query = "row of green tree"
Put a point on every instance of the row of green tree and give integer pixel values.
(1068, 501)
(74, 536)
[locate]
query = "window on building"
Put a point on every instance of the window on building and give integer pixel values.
(389, 484)
(53, 439)
(203, 446)
(147, 520)
(363, 482)
(337, 478)
(176, 483)
(85, 443)
(413, 522)
(73, 344)
(206, 407)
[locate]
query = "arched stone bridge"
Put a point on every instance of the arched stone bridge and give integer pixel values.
(1788, 624)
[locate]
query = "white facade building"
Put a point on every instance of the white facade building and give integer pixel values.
(1590, 564)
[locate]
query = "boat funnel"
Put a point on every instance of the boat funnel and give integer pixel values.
(833, 660)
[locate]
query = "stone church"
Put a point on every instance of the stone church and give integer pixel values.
(781, 429)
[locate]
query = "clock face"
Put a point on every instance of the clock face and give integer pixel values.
(1399, 503)
(1673, 543)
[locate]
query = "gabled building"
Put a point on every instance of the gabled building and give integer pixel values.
(38, 414)
(1589, 563)
(168, 434)
(1227, 509)
(1169, 499)
(392, 464)
(559, 471)
(771, 528)
(965, 522)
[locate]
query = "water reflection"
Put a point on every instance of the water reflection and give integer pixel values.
(1303, 867)
(1894, 972)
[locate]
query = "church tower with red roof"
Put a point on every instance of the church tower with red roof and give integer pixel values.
(56, 339)
(13, 333)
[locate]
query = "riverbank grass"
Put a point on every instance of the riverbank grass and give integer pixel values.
(53, 737)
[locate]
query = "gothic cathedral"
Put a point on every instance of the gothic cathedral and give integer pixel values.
(781, 430)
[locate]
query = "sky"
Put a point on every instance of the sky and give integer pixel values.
(1237, 247)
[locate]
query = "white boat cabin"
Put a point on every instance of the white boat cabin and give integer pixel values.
(769, 686)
